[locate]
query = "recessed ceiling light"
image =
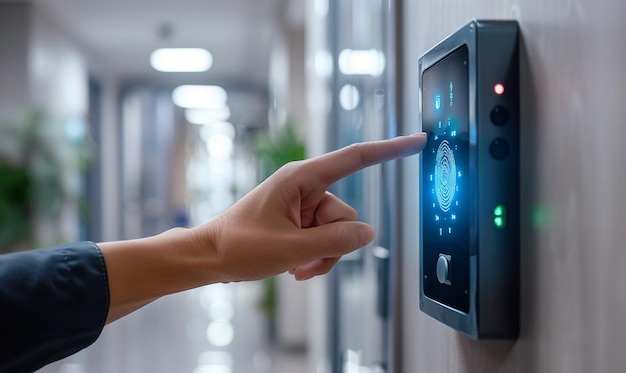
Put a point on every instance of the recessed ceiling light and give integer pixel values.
(181, 59)
(224, 128)
(199, 96)
(361, 62)
(207, 116)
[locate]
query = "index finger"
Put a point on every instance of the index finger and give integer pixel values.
(340, 163)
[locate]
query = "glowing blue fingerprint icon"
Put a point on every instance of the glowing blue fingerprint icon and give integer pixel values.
(445, 176)
(438, 102)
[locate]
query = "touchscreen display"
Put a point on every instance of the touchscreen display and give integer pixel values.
(445, 178)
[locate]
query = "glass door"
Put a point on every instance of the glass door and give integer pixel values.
(363, 47)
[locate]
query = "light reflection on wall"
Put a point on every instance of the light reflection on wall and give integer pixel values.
(321, 8)
(349, 97)
(323, 64)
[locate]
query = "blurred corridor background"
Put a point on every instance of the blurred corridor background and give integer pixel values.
(105, 135)
(112, 138)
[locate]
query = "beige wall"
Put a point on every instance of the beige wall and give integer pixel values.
(573, 209)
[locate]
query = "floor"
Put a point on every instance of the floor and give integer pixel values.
(216, 329)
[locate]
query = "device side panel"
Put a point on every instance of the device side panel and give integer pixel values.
(498, 182)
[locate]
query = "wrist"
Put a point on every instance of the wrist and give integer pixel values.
(190, 253)
(142, 270)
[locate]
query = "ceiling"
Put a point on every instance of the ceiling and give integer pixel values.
(121, 34)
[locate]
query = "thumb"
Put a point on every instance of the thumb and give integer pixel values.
(336, 239)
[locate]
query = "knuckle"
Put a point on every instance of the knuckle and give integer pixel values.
(357, 151)
(290, 167)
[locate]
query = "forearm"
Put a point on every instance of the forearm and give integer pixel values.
(146, 269)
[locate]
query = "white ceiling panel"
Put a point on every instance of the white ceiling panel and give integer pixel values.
(122, 34)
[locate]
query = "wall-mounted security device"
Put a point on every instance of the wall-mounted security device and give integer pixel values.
(469, 174)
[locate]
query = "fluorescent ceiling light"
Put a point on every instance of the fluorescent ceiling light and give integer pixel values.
(220, 147)
(223, 128)
(199, 96)
(207, 116)
(361, 62)
(181, 59)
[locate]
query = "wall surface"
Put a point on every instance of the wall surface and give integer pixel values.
(573, 291)
(40, 69)
(58, 85)
(14, 34)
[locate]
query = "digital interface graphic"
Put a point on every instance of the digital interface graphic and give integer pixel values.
(445, 176)
(445, 182)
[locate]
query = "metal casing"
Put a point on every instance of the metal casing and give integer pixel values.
(493, 57)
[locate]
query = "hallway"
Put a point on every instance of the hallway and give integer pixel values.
(216, 329)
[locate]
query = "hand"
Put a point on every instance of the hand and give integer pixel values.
(291, 222)
(288, 223)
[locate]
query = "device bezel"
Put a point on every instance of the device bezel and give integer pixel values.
(482, 320)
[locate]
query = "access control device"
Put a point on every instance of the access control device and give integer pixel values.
(469, 172)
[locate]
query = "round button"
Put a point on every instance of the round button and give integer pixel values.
(443, 269)
(499, 115)
(499, 148)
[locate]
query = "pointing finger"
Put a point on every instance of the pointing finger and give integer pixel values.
(343, 162)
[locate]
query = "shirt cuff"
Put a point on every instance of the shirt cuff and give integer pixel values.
(54, 302)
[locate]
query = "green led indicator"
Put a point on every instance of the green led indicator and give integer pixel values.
(498, 221)
(499, 216)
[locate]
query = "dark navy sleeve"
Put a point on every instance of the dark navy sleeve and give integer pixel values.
(53, 303)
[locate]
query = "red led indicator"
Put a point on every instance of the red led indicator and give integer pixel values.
(498, 89)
